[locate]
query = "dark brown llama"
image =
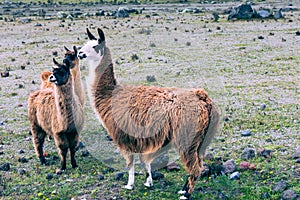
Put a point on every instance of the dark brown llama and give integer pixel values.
(57, 113)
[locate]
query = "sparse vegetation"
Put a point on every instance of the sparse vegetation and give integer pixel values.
(256, 82)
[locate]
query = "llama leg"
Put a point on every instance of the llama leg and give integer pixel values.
(130, 165)
(193, 165)
(73, 143)
(38, 137)
(63, 155)
(62, 145)
(149, 182)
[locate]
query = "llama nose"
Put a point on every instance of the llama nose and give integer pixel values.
(81, 55)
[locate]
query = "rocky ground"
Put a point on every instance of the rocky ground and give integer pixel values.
(250, 68)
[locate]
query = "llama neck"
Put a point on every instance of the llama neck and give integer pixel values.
(65, 101)
(104, 78)
(76, 74)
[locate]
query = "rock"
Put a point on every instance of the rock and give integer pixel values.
(248, 153)
(235, 176)
(205, 170)
(263, 106)
(216, 17)
(266, 153)
(80, 146)
(228, 167)
(263, 13)
(85, 153)
(297, 160)
(245, 133)
(279, 186)
(278, 14)
(243, 11)
(244, 165)
(21, 151)
(296, 155)
(173, 166)
(21, 171)
(54, 53)
(150, 78)
(157, 175)
(49, 176)
(298, 33)
(100, 177)
(160, 162)
(5, 167)
(260, 37)
(22, 160)
(289, 195)
(118, 176)
(38, 25)
(5, 74)
(122, 12)
(265, 195)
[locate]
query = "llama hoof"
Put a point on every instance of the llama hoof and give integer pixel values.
(182, 197)
(148, 185)
(181, 192)
(128, 187)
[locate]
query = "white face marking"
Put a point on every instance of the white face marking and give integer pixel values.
(90, 51)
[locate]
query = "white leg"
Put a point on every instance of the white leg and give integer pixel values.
(183, 198)
(130, 183)
(148, 182)
(181, 192)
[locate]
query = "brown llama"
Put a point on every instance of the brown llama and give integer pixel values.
(145, 120)
(71, 57)
(45, 80)
(57, 113)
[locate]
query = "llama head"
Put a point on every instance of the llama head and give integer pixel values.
(94, 49)
(60, 74)
(71, 58)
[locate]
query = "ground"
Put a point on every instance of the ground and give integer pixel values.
(249, 67)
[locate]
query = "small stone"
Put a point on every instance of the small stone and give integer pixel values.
(118, 176)
(296, 155)
(228, 166)
(49, 176)
(298, 33)
(252, 166)
(245, 133)
(5, 167)
(279, 186)
(22, 160)
(21, 171)
(85, 153)
(260, 37)
(266, 153)
(5, 74)
(205, 170)
(265, 195)
(173, 166)
(54, 53)
(244, 165)
(262, 106)
(100, 177)
(23, 67)
(157, 175)
(248, 153)
(150, 78)
(21, 151)
(297, 160)
(289, 195)
(235, 176)
(80, 146)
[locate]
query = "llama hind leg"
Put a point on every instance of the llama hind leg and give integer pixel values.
(193, 165)
(129, 162)
(38, 137)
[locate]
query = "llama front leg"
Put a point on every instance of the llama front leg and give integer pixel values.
(38, 137)
(130, 165)
(149, 181)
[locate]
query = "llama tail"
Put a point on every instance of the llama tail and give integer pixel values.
(211, 129)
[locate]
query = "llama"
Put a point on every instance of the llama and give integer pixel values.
(57, 113)
(71, 57)
(45, 80)
(145, 120)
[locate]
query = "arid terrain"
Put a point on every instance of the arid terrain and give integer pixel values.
(251, 68)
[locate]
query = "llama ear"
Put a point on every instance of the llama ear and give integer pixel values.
(45, 75)
(75, 50)
(56, 63)
(90, 35)
(66, 48)
(101, 36)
